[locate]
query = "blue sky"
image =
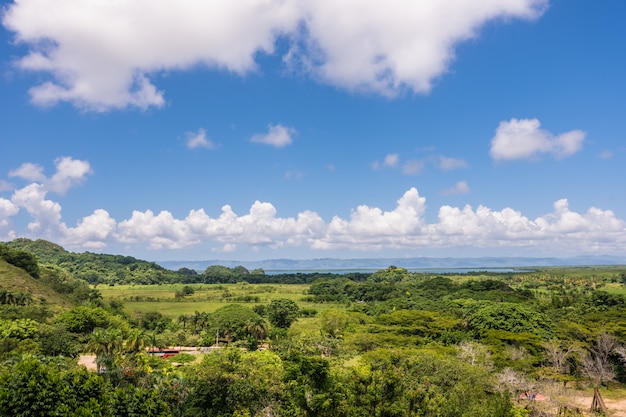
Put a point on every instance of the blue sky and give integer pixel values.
(310, 129)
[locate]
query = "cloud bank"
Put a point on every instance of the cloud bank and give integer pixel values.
(367, 229)
(102, 55)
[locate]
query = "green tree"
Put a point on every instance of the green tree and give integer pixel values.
(510, 317)
(84, 319)
(20, 259)
(55, 340)
(282, 312)
(390, 274)
(32, 387)
(235, 383)
(257, 329)
(231, 322)
(106, 345)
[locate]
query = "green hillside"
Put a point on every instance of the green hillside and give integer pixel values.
(16, 280)
(96, 268)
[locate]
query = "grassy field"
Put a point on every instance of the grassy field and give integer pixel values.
(206, 298)
(15, 279)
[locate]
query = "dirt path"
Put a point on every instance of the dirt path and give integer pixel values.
(616, 407)
(89, 361)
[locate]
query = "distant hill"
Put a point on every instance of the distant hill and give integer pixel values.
(96, 268)
(113, 269)
(335, 264)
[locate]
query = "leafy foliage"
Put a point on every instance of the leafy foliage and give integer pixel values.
(282, 312)
(231, 322)
(21, 259)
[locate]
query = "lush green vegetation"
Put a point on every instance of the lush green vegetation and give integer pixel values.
(392, 343)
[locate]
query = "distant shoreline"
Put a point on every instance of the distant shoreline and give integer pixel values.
(413, 264)
(416, 270)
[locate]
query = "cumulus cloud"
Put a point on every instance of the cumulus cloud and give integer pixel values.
(199, 140)
(69, 173)
(90, 232)
(560, 231)
(107, 55)
(524, 139)
(259, 227)
(28, 171)
(7, 210)
(460, 187)
(277, 136)
(395, 45)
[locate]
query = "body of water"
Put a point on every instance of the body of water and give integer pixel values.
(417, 270)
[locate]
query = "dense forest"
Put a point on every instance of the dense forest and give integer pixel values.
(391, 343)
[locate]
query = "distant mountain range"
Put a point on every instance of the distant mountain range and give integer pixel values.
(335, 264)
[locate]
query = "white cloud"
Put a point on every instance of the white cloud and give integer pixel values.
(605, 155)
(448, 164)
(6, 186)
(69, 173)
(417, 166)
(524, 139)
(370, 228)
(7, 210)
(391, 160)
(277, 136)
(395, 45)
(460, 187)
(199, 140)
(28, 171)
(413, 167)
(561, 231)
(260, 227)
(91, 232)
(106, 55)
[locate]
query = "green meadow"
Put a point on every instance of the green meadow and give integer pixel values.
(138, 299)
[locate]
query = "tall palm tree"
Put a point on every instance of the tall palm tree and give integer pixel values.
(184, 319)
(257, 328)
(105, 344)
(135, 341)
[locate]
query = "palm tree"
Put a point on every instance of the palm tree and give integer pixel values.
(135, 341)
(105, 344)
(184, 319)
(197, 321)
(257, 328)
(9, 298)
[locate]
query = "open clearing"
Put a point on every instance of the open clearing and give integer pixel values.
(139, 299)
